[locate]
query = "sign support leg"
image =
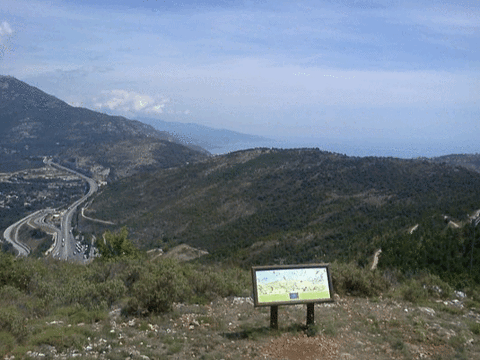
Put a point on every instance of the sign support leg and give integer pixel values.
(310, 314)
(274, 317)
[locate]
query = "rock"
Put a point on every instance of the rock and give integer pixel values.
(460, 294)
(427, 310)
(241, 300)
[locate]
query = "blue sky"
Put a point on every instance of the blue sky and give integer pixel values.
(384, 73)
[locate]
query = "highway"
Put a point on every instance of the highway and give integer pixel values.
(67, 251)
(22, 249)
(64, 244)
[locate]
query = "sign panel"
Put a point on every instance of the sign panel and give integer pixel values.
(294, 284)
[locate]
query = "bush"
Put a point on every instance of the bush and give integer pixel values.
(12, 321)
(62, 338)
(11, 294)
(474, 328)
(160, 284)
(111, 291)
(78, 314)
(210, 282)
(115, 246)
(7, 343)
(424, 286)
(349, 278)
(412, 290)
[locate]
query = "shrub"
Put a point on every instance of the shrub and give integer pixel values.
(349, 278)
(160, 284)
(423, 286)
(78, 314)
(7, 343)
(210, 282)
(12, 321)
(62, 338)
(115, 246)
(111, 291)
(9, 293)
(435, 286)
(412, 290)
(474, 328)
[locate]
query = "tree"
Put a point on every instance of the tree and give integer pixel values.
(117, 246)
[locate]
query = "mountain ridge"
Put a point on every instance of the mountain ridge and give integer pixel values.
(38, 124)
(290, 206)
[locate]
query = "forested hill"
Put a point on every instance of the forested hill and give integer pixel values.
(273, 206)
(470, 161)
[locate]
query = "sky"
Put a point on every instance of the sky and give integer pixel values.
(394, 77)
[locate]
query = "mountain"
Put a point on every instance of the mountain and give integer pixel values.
(270, 206)
(33, 123)
(216, 141)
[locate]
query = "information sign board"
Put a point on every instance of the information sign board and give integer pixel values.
(291, 284)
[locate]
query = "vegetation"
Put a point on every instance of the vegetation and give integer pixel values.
(39, 296)
(268, 206)
(116, 246)
(438, 249)
(35, 288)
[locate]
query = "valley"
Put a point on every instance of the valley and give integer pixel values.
(55, 222)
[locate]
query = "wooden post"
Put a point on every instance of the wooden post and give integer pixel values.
(274, 317)
(310, 314)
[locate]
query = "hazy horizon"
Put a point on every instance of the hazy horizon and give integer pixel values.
(385, 78)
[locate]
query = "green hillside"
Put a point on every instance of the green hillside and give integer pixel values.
(267, 206)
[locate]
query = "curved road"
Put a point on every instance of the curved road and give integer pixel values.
(64, 246)
(66, 252)
(7, 234)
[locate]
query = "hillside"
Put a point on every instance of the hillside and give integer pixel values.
(470, 161)
(34, 124)
(288, 206)
(157, 308)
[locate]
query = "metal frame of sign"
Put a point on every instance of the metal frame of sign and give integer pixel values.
(293, 301)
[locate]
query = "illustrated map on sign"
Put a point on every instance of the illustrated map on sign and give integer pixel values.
(292, 285)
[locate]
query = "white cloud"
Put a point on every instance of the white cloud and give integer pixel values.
(130, 102)
(5, 30)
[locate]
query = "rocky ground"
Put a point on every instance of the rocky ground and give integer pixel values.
(232, 328)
